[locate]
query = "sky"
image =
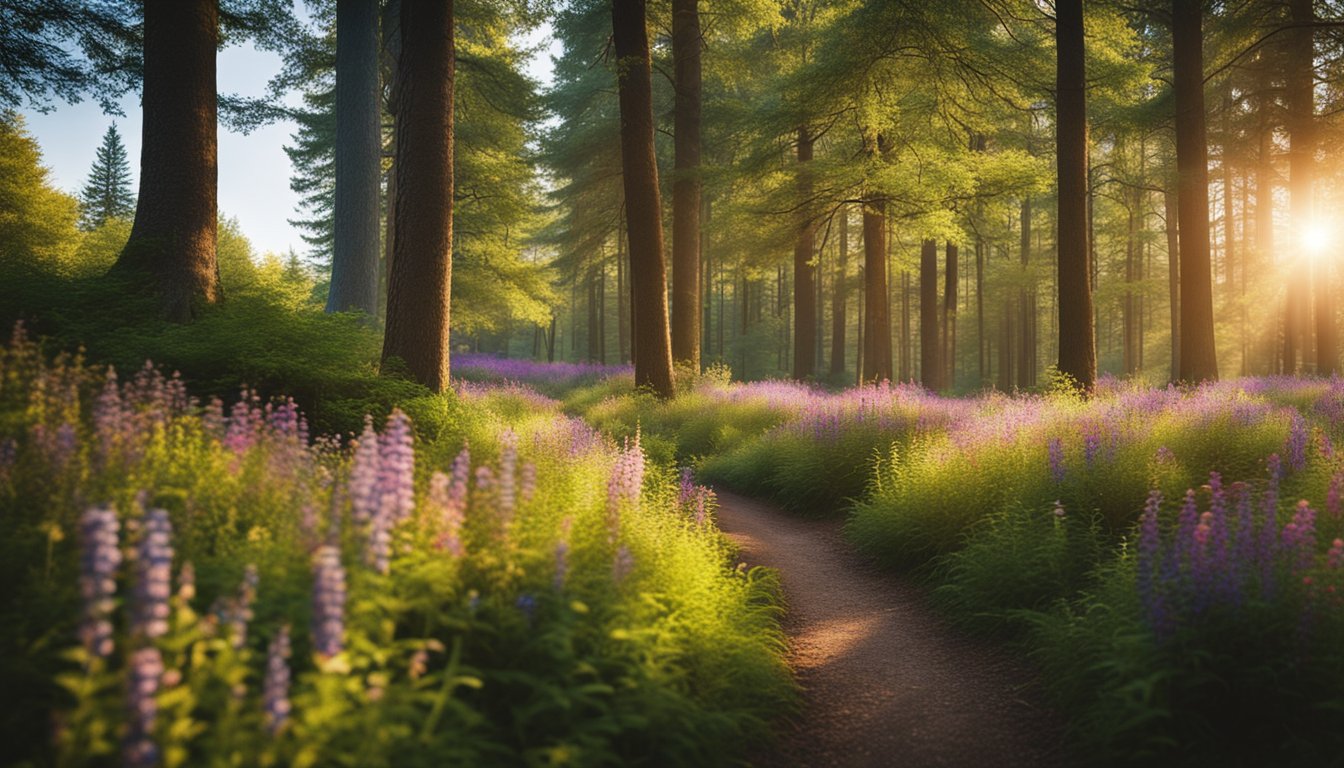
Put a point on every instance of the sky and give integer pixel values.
(253, 169)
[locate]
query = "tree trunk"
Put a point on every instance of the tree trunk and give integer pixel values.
(594, 323)
(1170, 206)
(643, 206)
(172, 240)
(1199, 360)
(930, 347)
(1077, 340)
(686, 183)
(838, 297)
(358, 165)
(877, 318)
(804, 272)
(949, 375)
(419, 285)
(1026, 363)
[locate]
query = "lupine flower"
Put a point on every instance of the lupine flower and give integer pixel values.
(364, 475)
(623, 564)
(275, 689)
(328, 602)
(1299, 537)
(1296, 445)
(625, 484)
(143, 673)
(99, 558)
(685, 487)
(562, 554)
(508, 462)
(1056, 450)
(154, 573)
(528, 605)
(396, 471)
(1332, 507)
(241, 609)
(109, 416)
(1150, 542)
(528, 482)
(1335, 557)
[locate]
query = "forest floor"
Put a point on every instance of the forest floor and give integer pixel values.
(886, 680)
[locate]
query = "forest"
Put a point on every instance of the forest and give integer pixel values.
(673, 383)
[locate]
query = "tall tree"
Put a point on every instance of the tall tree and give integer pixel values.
(838, 296)
(877, 308)
(173, 236)
(930, 346)
(949, 375)
(1077, 341)
(686, 184)
(420, 276)
(639, 166)
(1199, 360)
(107, 193)
(358, 153)
(804, 271)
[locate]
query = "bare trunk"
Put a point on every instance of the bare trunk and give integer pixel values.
(419, 285)
(172, 240)
(358, 165)
(1199, 360)
(686, 183)
(648, 275)
(839, 296)
(949, 376)
(804, 272)
(877, 318)
(1077, 341)
(930, 347)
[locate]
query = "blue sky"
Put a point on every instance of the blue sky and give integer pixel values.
(253, 169)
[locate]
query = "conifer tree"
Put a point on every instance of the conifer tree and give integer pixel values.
(107, 194)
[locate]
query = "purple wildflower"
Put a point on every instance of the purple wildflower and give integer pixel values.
(1296, 445)
(622, 565)
(364, 488)
(625, 484)
(685, 487)
(527, 604)
(528, 482)
(396, 469)
(328, 602)
(144, 674)
(275, 689)
(154, 573)
(1299, 537)
(240, 612)
(508, 464)
(1335, 557)
(99, 558)
(1056, 450)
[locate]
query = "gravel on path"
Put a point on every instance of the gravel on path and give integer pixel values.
(887, 682)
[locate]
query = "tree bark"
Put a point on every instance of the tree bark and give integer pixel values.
(1026, 363)
(1077, 340)
(804, 271)
(173, 237)
(949, 375)
(877, 317)
(838, 297)
(419, 284)
(930, 346)
(643, 206)
(686, 184)
(358, 165)
(1199, 360)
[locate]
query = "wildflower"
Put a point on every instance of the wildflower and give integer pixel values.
(1299, 537)
(275, 689)
(1149, 544)
(1332, 507)
(1056, 450)
(154, 564)
(508, 461)
(109, 416)
(527, 604)
(144, 673)
(1335, 557)
(625, 484)
(1296, 445)
(528, 481)
(99, 558)
(396, 470)
(1059, 510)
(622, 565)
(685, 488)
(328, 602)
(562, 554)
(364, 489)
(241, 612)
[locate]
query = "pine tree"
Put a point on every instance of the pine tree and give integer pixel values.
(107, 194)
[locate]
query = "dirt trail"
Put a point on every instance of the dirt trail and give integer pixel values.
(886, 681)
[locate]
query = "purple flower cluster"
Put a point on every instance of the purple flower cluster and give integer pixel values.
(1056, 451)
(381, 487)
(154, 573)
(1214, 559)
(99, 558)
(144, 675)
(275, 689)
(508, 465)
(448, 496)
(328, 602)
(625, 484)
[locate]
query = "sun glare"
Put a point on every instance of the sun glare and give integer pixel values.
(1316, 238)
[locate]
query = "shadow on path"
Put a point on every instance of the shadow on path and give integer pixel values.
(886, 681)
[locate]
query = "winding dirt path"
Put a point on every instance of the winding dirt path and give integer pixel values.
(886, 681)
